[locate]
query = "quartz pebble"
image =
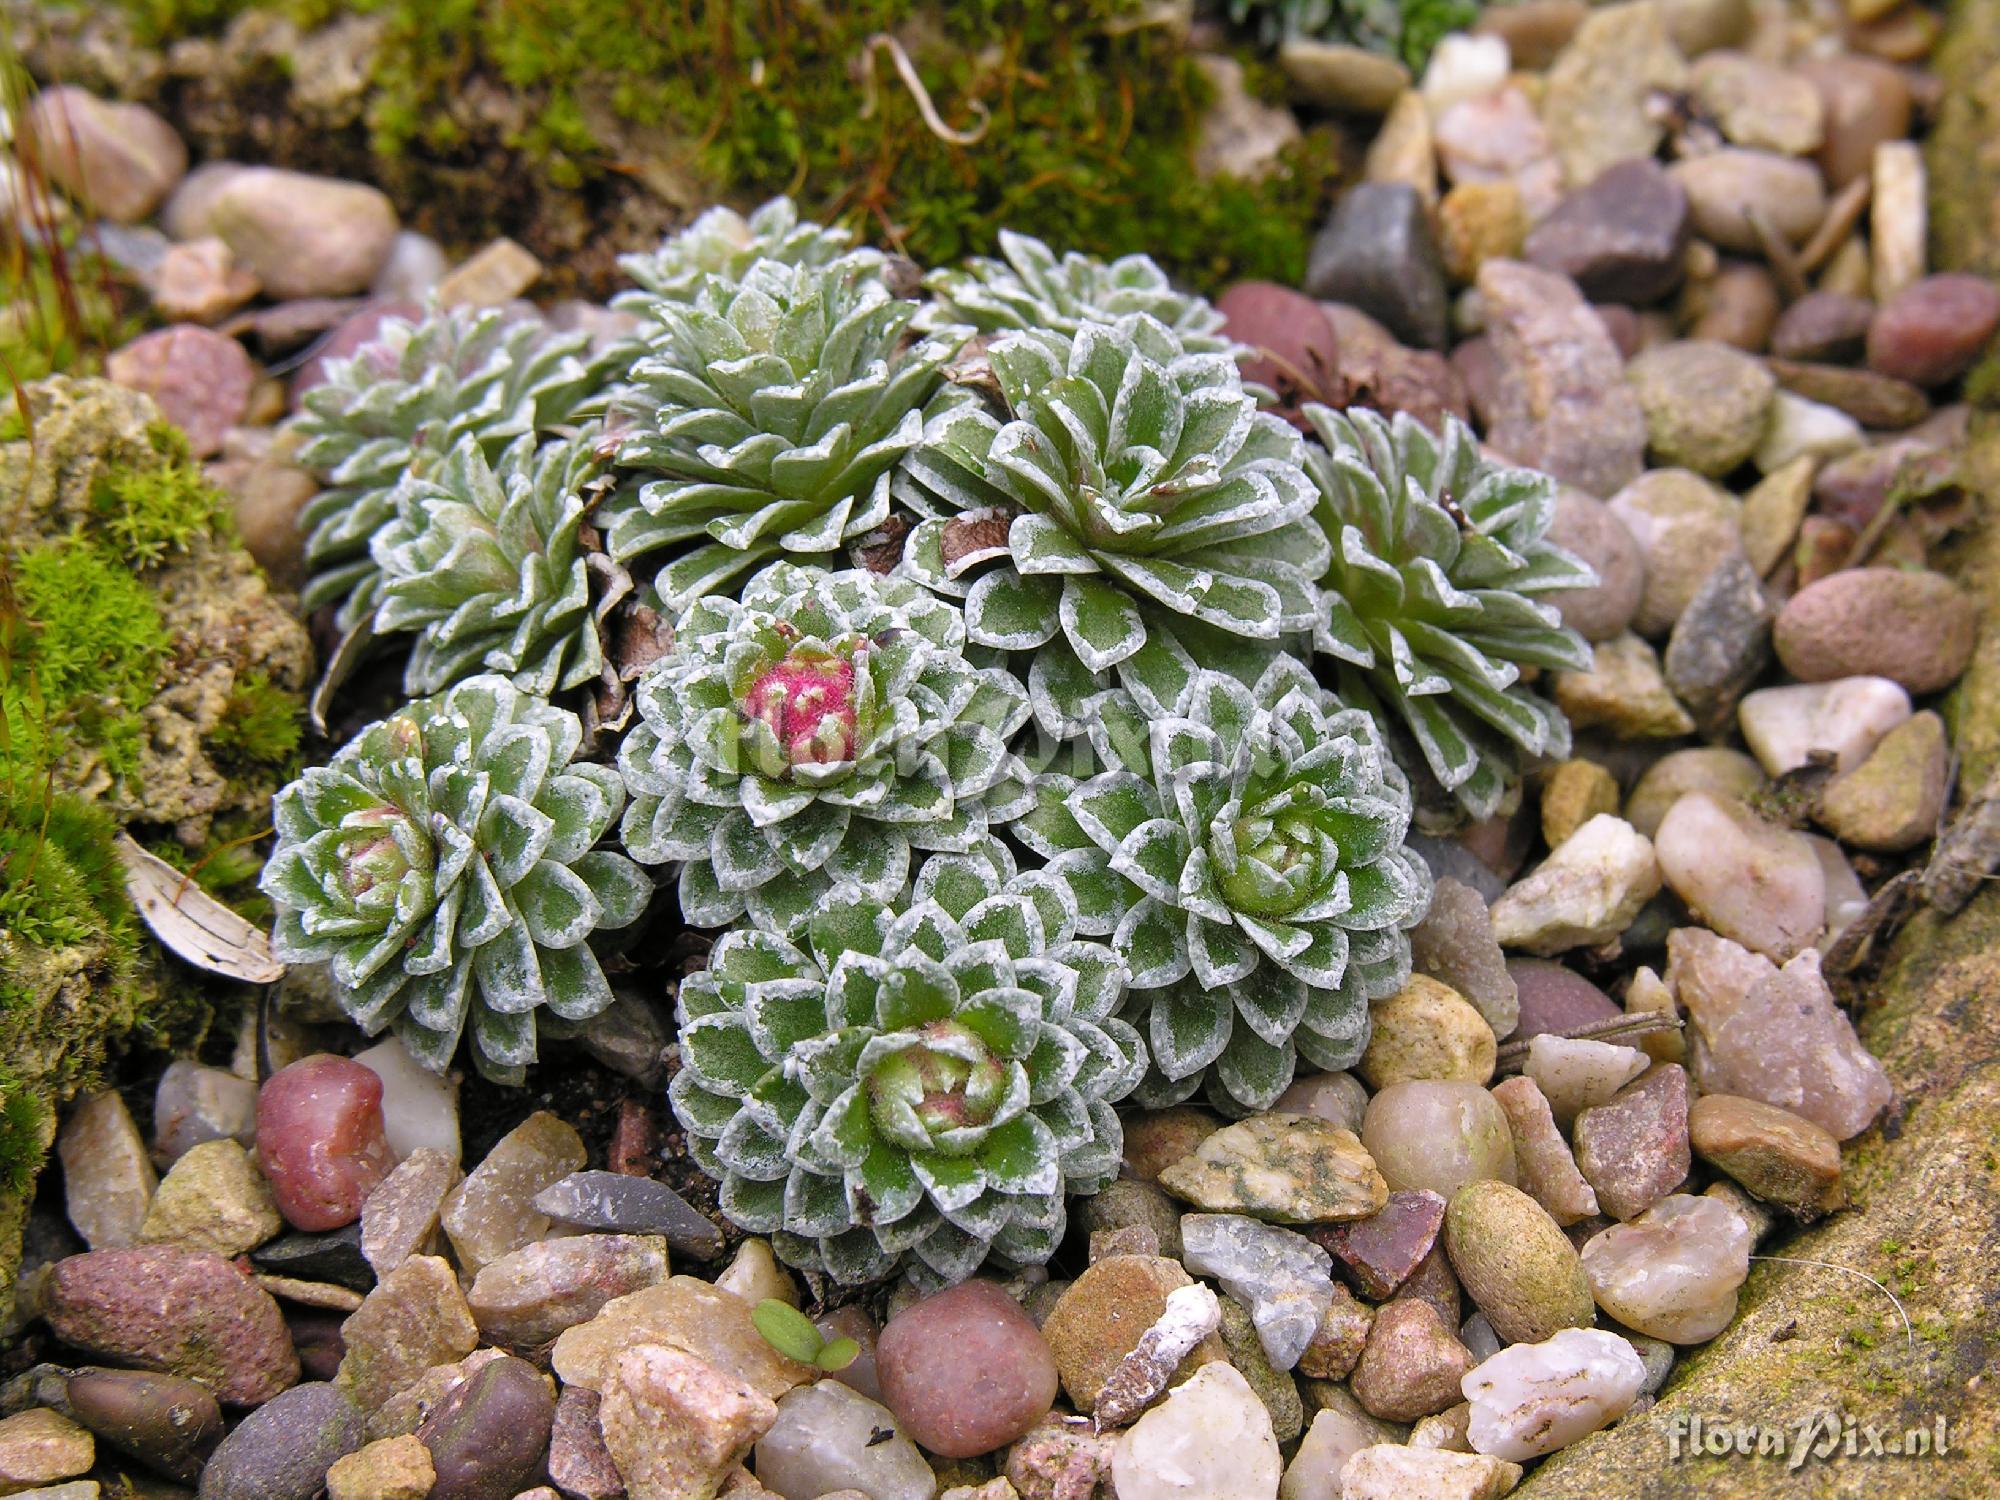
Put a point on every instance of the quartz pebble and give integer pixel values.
(282, 1450)
(419, 1107)
(1894, 799)
(1726, 188)
(1290, 1169)
(966, 1371)
(755, 1276)
(180, 1312)
(492, 1212)
(1864, 103)
(1772, 1034)
(1101, 1317)
(827, 1437)
(1437, 1136)
(1633, 1148)
(682, 1312)
(1062, 1459)
(1673, 1271)
(199, 282)
(530, 1295)
(1337, 1098)
(1283, 1278)
(1799, 428)
(1378, 1254)
(488, 1435)
(1703, 768)
(201, 380)
(1759, 104)
(166, 1422)
(1455, 944)
(1339, 1430)
(1412, 1363)
(1532, 1399)
(676, 1426)
(1575, 1073)
(120, 158)
(1394, 1472)
(414, 1319)
(400, 1218)
(1211, 1437)
(194, 1103)
(213, 1199)
(1752, 881)
(1787, 727)
(304, 236)
(1515, 1262)
(630, 1205)
(108, 1180)
(1912, 626)
(320, 1141)
(1427, 1030)
(1585, 893)
(1781, 1157)
(1546, 1169)
(1898, 220)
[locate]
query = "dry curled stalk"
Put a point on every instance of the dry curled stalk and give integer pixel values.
(906, 70)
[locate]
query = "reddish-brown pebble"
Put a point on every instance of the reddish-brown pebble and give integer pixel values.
(966, 1371)
(320, 1140)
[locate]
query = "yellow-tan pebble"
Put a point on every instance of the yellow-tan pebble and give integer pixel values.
(1428, 1031)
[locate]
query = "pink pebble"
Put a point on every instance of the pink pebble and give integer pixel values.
(320, 1140)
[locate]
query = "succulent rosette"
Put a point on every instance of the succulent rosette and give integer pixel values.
(722, 242)
(1246, 857)
(813, 734)
(445, 866)
(1429, 604)
(1032, 287)
(1128, 505)
(398, 406)
(486, 562)
(909, 1084)
(766, 420)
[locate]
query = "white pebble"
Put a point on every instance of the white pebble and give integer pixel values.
(1585, 893)
(1209, 1439)
(1673, 1271)
(419, 1107)
(1464, 66)
(1575, 1073)
(1845, 718)
(1531, 1399)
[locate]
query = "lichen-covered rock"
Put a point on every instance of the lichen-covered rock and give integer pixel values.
(1289, 1169)
(1102, 1316)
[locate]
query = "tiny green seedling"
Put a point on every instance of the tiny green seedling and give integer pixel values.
(792, 1334)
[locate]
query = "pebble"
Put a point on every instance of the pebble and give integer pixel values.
(1192, 1313)
(1875, 401)
(1237, 135)
(119, 158)
(755, 1276)
(1772, 511)
(1463, 66)
(108, 1180)
(1560, 404)
(1289, 1169)
(1852, 489)
(1683, 524)
(1759, 104)
(965, 1370)
(1930, 332)
(1773, 1035)
(1347, 80)
(408, 1410)
(493, 1212)
(682, 1312)
(1843, 720)
(1912, 626)
(419, 1107)
(827, 1437)
(1497, 139)
(1898, 220)
(1403, 149)
(1625, 692)
(166, 1422)
(1596, 95)
(1126, 1204)
(630, 1205)
(579, 1463)
(1725, 188)
(1297, 353)
(1721, 644)
(1342, 1334)
(1515, 1263)
(200, 379)
(39, 1447)
(1455, 945)
(1633, 1148)
(1383, 375)
(282, 1450)
(1674, 1271)
(1555, 998)
(213, 1199)
(487, 1437)
(1577, 1073)
(1864, 103)
(1584, 526)
(1535, 31)
(1546, 1170)
(1827, 326)
(1243, 1347)
(1412, 1364)
(1698, 26)
(397, 1468)
(1738, 306)
(332, 1257)
(200, 282)
(1799, 428)
(1648, 995)
(499, 272)
(1444, 1431)
(1894, 799)
(304, 236)
(320, 1141)
(179, 1312)
(1781, 1157)
(1282, 1278)
(1621, 239)
(1101, 1317)
(415, 1318)
(400, 1218)
(1392, 1472)
(529, 1296)
(1532, 1399)
(194, 1103)
(1585, 893)
(1705, 404)
(1211, 1437)
(1574, 792)
(1379, 254)
(1479, 221)
(1062, 1459)
(1427, 1030)
(1337, 1098)
(1378, 1254)
(1438, 1136)
(1752, 881)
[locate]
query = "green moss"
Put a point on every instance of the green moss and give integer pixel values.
(60, 880)
(24, 1132)
(259, 729)
(145, 514)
